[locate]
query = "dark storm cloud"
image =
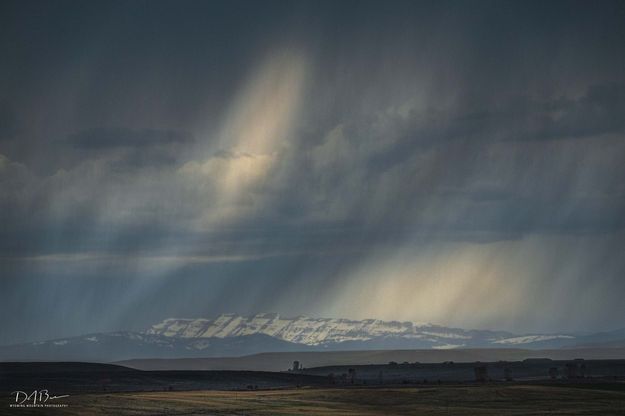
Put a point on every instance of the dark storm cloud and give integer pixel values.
(598, 111)
(165, 151)
(8, 125)
(96, 139)
(133, 148)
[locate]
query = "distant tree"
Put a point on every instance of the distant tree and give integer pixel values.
(352, 375)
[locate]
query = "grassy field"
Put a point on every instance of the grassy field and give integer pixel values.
(445, 400)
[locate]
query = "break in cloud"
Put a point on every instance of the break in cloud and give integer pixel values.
(460, 164)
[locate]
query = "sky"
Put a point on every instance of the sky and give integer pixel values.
(460, 163)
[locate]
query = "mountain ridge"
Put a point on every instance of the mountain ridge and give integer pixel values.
(233, 335)
(322, 331)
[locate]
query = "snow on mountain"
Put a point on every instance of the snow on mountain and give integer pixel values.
(531, 338)
(232, 335)
(315, 331)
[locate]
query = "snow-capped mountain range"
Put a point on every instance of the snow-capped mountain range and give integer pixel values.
(328, 331)
(231, 335)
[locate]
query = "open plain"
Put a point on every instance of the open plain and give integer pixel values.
(488, 399)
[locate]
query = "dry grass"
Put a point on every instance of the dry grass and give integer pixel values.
(446, 400)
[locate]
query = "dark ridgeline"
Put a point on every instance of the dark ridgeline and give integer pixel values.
(469, 372)
(75, 377)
